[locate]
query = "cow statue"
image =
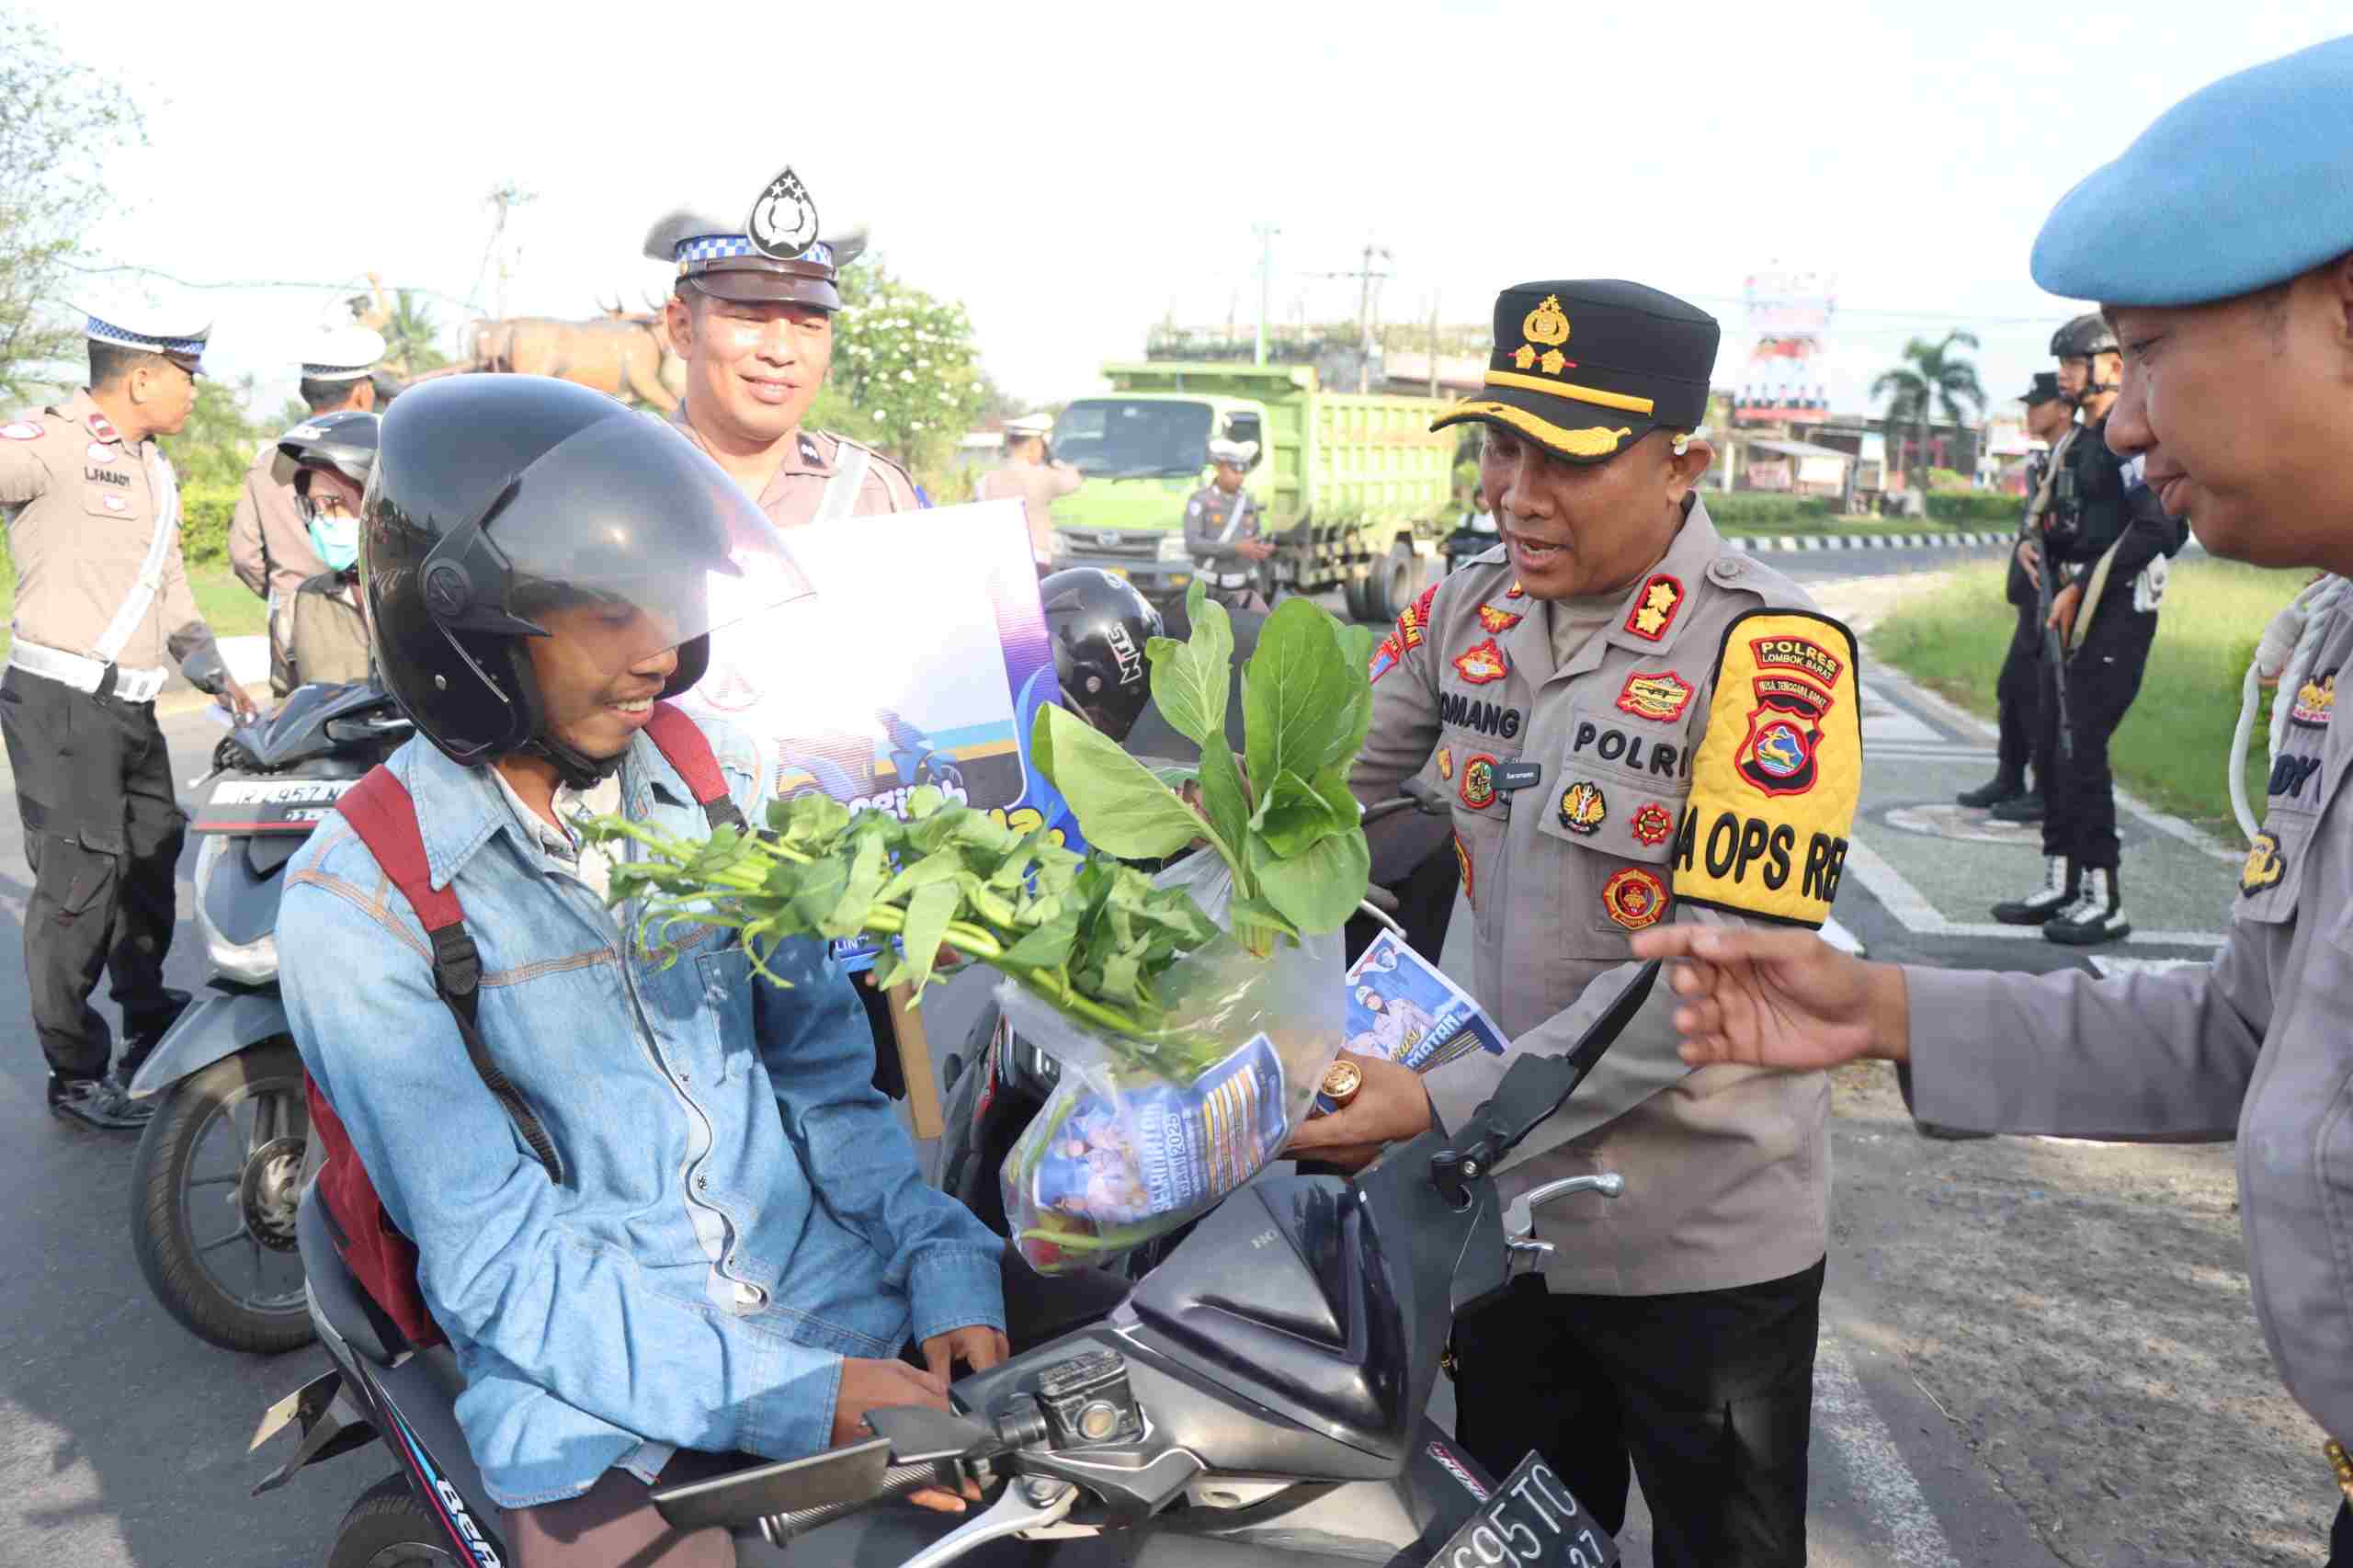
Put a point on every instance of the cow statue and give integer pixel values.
(619, 353)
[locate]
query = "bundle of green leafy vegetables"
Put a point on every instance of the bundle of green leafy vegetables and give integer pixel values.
(1091, 935)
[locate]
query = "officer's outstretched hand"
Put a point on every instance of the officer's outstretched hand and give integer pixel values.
(1391, 1105)
(1784, 999)
(235, 695)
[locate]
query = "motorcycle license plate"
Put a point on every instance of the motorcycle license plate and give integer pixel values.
(1530, 1521)
(268, 805)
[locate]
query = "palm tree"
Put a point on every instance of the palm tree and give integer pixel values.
(409, 330)
(1933, 380)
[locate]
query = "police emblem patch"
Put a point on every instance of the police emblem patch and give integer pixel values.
(2265, 866)
(1662, 696)
(2316, 701)
(1584, 809)
(1635, 898)
(1478, 788)
(1651, 824)
(1482, 663)
(20, 431)
(1463, 865)
(1446, 763)
(1497, 621)
(783, 221)
(1654, 606)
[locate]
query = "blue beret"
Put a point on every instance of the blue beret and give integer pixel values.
(2243, 184)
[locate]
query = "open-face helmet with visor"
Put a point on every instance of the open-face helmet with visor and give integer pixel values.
(498, 501)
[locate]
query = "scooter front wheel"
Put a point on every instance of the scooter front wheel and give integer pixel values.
(213, 1192)
(387, 1528)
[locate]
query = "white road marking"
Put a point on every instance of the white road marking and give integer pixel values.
(1911, 906)
(1889, 1494)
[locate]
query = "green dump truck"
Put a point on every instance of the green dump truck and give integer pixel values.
(1355, 486)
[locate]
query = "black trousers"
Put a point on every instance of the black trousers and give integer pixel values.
(2103, 676)
(103, 833)
(2340, 1538)
(1707, 1396)
(2017, 696)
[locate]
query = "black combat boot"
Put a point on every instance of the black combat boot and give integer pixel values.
(2020, 808)
(2096, 915)
(2061, 886)
(1993, 792)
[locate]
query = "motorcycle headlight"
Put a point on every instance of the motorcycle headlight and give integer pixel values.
(249, 963)
(1172, 548)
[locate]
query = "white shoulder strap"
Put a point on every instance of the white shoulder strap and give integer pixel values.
(849, 477)
(166, 491)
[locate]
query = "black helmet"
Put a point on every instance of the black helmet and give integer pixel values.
(2086, 336)
(496, 499)
(343, 443)
(1099, 625)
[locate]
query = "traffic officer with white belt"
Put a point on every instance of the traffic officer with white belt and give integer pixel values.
(269, 538)
(2220, 247)
(102, 600)
(1639, 726)
(752, 314)
(1223, 530)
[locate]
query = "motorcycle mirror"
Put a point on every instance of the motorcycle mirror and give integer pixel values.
(1536, 1087)
(920, 1436)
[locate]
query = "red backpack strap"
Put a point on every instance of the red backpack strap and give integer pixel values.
(381, 812)
(684, 745)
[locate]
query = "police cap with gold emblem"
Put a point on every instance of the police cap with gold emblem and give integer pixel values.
(771, 252)
(1588, 368)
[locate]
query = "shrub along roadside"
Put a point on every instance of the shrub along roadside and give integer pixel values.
(2171, 748)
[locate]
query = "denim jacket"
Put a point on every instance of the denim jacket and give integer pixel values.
(740, 1210)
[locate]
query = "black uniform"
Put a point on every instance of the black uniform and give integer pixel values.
(2017, 693)
(2094, 511)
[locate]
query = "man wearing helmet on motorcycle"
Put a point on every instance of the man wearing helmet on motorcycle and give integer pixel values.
(324, 463)
(671, 1213)
(1099, 627)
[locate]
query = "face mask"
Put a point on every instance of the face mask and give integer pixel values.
(336, 539)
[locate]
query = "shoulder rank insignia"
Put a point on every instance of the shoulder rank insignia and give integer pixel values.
(21, 431)
(1498, 621)
(1481, 663)
(1778, 773)
(1515, 591)
(1654, 606)
(1662, 696)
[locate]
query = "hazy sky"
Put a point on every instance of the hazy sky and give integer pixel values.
(1072, 172)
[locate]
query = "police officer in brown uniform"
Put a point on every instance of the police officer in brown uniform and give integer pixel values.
(1639, 726)
(1032, 476)
(269, 540)
(752, 314)
(102, 600)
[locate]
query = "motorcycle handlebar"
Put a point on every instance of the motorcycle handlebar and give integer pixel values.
(897, 1482)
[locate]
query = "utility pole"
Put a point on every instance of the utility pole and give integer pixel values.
(1365, 277)
(1433, 342)
(1266, 232)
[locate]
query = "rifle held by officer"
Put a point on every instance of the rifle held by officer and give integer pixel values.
(2054, 646)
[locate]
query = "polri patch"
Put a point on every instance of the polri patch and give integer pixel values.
(1481, 663)
(1584, 808)
(1662, 695)
(1635, 898)
(1478, 788)
(1656, 606)
(1777, 772)
(2316, 701)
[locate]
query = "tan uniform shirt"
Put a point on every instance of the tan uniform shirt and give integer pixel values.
(1036, 486)
(1728, 1168)
(792, 493)
(269, 550)
(2257, 1046)
(326, 637)
(82, 507)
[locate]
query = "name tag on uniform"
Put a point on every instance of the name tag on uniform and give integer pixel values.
(1511, 776)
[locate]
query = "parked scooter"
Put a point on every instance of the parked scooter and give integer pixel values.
(220, 1166)
(1260, 1398)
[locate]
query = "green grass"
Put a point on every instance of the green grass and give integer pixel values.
(2171, 748)
(1861, 527)
(228, 606)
